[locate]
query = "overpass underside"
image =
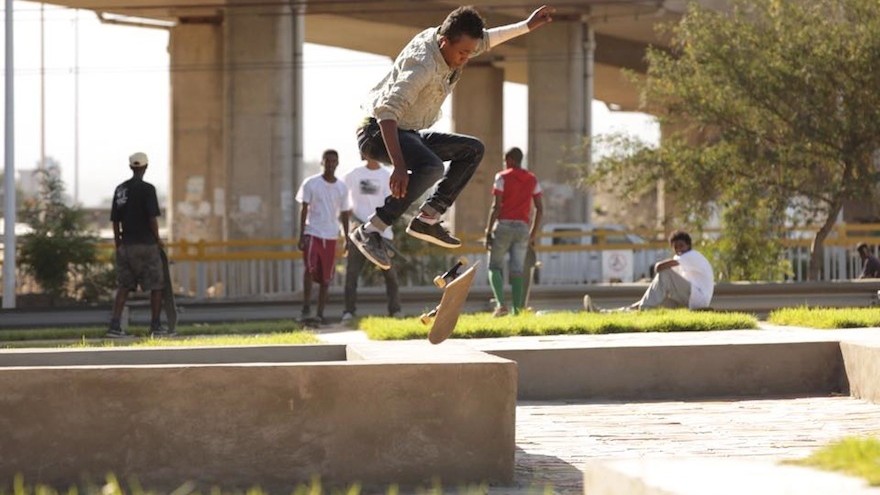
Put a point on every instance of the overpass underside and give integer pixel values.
(236, 92)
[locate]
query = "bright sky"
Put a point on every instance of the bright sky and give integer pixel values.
(124, 100)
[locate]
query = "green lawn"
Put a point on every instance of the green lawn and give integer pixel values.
(826, 317)
(482, 325)
(854, 456)
(210, 334)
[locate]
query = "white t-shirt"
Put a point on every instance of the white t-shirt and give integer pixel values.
(367, 190)
(695, 268)
(326, 201)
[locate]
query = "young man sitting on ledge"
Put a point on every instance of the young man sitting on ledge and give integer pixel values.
(684, 281)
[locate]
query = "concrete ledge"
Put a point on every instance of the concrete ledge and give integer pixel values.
(715, 476)
(862, 363)
(168, 418)
(128, 356)
(674, 371)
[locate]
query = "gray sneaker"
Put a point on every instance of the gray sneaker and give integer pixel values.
(434, 233)
(371, 246)
(116, 333)
(161, 332)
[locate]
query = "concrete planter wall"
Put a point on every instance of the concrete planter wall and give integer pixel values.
(165, 416)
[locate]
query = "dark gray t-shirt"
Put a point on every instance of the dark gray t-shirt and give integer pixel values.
(134, 205)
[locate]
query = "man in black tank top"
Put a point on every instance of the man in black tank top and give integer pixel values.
(134, 214)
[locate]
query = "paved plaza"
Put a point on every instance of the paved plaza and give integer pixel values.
(555, 439)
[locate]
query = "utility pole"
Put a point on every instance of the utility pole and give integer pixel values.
(9, 169)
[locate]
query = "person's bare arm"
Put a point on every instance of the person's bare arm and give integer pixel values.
(665, 265)
(303, 214)
(117, 234)
(344, 219)
(399, 177)
(536, 222)
(493, 215)
(154, 227)
(542, 15)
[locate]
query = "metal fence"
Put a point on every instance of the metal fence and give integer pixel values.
(263, 268)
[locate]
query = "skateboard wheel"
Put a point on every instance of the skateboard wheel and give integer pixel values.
(425, 319)
(439, 281)
(463, 260)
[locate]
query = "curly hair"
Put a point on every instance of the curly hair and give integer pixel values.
(680, 235)
(463, 21)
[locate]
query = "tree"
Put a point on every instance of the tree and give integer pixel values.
(776, 107)
(58, 245)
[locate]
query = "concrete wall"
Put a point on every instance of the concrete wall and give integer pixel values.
(478, 110)
(272, 423)
(558, 117)
(862, 363)
(232, 113)
(678, 371)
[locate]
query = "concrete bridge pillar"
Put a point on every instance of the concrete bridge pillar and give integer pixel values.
(560, 77)
(233, 141)
(478, 110)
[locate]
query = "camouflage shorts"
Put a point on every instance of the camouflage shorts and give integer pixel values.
(139, 265)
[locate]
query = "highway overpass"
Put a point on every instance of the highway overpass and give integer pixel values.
(236, 86)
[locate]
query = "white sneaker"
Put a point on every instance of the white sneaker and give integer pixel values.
(347, 316)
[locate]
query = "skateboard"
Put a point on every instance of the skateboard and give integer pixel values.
(456, 284)
(168, 304)
(529, 267)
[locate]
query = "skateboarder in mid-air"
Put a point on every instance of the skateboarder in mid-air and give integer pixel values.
(404, 104)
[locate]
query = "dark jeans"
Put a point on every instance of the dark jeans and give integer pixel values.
(354, 264)
(424, 152)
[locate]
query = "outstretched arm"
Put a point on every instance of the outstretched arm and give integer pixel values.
(539, 17)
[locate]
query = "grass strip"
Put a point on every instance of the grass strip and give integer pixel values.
(853, 456)
(239, 333)
(826, 318)
(483, 325)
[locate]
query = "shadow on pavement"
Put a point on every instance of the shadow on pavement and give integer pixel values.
(545, 474)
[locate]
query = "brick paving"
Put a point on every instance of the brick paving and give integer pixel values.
(554, 439)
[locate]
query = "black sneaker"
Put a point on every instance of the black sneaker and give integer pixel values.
(371, 246)
(115, 333)
(435, 234)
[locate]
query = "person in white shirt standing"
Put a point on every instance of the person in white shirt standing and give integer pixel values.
(367, 189)
(684, 281)
(325, 202)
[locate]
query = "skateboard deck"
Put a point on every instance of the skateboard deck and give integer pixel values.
(445, 316)
(168, 304)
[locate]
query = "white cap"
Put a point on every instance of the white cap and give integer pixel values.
(138, 160)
